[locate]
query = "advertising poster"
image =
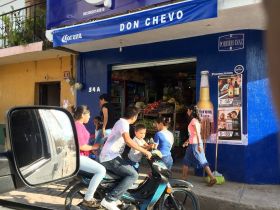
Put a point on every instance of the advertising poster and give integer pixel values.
(230, 108)
(230, 87)
(229, 123)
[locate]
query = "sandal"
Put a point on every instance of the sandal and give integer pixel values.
(212, 182)
(92, 203)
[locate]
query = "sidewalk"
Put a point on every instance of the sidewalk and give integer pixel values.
(229, 196)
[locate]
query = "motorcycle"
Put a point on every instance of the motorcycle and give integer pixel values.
(157, 191)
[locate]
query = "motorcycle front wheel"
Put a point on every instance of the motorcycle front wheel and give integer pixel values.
(179, 199)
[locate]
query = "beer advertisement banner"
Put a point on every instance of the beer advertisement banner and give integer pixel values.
(230, 87)
(69, 12)
(230, 109)
(229, 123)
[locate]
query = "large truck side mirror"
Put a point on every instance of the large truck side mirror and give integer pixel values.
(43, 144)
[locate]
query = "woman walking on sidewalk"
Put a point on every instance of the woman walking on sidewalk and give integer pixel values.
(195, 156)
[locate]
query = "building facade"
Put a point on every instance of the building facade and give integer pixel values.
(167, 63)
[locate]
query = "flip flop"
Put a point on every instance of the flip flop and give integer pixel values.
(212, 182)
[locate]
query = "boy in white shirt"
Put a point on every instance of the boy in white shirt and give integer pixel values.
(134, 156)
(110, 157)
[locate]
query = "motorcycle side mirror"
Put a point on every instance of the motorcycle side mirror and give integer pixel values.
(43, 144)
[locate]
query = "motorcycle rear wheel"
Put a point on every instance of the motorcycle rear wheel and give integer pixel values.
(184, 198)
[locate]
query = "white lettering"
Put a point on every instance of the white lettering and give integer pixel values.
(136, 24)
(180, 14)
(95, 89)
(99, 10)
(147, 22)
(121, 27)
(128, 25)
(67, 38)
(163, 18)
(171, 16)
(155, 20)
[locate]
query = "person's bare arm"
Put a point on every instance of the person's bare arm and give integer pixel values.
(135, 146)
(198, 140)
(105, 119)
(87, 147)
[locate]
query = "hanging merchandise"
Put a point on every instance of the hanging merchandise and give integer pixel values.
(205, 107)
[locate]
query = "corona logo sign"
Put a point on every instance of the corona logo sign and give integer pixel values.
(105, 3)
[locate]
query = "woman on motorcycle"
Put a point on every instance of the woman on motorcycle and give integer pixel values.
(81, 115)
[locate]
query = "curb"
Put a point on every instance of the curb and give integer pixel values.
(21, 206)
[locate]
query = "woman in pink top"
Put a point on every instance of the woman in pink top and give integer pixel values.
(81, 116)
(195, 156)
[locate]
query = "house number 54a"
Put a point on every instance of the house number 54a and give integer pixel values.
(94, 89)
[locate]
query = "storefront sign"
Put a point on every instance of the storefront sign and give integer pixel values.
(163, 16)
(231, 42)
(70, 12)
(230, 108)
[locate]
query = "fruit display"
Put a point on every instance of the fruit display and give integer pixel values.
(152, 108)
(159, 107)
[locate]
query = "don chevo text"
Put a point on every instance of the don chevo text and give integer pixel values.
(152, 21)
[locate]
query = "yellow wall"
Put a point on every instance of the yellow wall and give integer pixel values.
(17, 82)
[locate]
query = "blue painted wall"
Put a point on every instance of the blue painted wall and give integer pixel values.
(256, 163)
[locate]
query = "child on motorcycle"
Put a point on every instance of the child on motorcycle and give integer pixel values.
(135, 156)
(110, 157)
(164, 140)
(98, 139)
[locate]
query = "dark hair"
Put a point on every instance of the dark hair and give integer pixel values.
(139, 127)
(130, 112)
(234, 112)
(78, 111)
(98, 118)
(195, 113)
(164, 120)
(105, 97)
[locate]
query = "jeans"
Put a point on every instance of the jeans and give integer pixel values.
(168, 160)
(128, 174)
(99, 171)
(135, 165)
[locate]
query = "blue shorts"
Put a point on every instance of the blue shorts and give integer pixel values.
(195, 159)
(168, 161)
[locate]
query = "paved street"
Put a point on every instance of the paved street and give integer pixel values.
(229, 196)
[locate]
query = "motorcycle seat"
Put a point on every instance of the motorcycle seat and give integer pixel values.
(111, 176)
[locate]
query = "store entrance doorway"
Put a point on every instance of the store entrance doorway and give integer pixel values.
(47, 94)
(160, 88)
